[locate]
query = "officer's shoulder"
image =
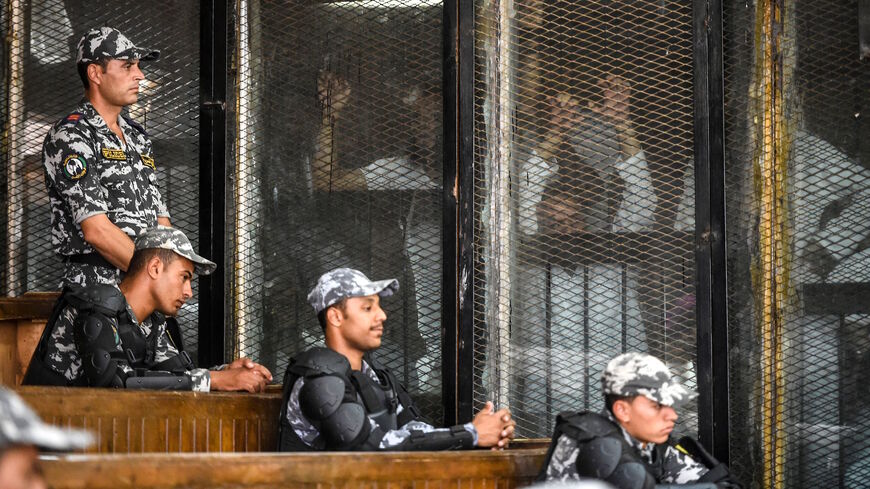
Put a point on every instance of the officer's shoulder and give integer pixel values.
(135, 125)
(71, 126)
(321, 361)
(100, 298)
(587, 423)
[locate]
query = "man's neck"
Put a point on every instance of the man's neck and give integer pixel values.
(109, 112)
(138, 298)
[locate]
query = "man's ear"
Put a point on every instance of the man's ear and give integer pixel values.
(95, 72)
(622, 411)
(154, 267)
(334, 316)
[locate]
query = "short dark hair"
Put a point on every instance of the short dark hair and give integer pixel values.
(610, 400)
(83, 70)
(321, 316)
(142, 257)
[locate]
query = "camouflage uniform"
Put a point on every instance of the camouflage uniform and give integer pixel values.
(307, 432)
(63, 357)
(90, 171)
(61, 354)
(20, 426)
(633, 374)
(331, 288)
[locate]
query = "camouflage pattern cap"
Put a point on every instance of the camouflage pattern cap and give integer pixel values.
(168, 238)
(633, 374)
(341, 283)
(108, 43)
(19, 425)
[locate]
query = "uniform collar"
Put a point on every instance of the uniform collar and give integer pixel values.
(96, 120)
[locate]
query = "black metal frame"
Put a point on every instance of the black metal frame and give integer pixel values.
(212, 174)
(710, 244)
(458, 299)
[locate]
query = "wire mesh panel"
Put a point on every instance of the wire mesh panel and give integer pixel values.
(41, 86)
(798, 213)
(338, 164)
(584, 199)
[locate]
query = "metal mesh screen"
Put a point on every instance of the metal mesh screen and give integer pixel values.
(796, 191)
(583, 200)
(337, 124)
(41, 86)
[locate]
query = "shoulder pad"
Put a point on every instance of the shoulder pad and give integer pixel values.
(106, 299)
(320, 361)
(586, 425)
(134, 124)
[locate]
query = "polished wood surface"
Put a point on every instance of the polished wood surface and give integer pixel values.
(465, 469)
(127, 421)
(22, 320)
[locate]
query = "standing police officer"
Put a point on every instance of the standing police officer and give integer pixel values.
(99, 168)
(627, 444)
(339, 398)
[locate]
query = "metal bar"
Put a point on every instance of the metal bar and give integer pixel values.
(463, 195)
(15, 191)
(212, 175)
(710, 245)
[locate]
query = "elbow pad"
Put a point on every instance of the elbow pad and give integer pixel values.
(602, 458)
(455, 438)
(96, 339)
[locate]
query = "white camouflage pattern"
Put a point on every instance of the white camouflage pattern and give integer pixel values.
(83, 181)
(308, 433)
(108, 43)
(63, 357)
(341, 283)
(632, 374)
(19, 425)
(677, 467)
(169, 238)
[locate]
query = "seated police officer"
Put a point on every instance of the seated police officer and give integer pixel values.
(339, 398)
(96, 338)
(627, 444)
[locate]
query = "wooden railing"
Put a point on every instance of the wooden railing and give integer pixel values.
(169, 422)
(22, 320)
(466, 469)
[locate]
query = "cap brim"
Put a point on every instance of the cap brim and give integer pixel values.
(201, 266)
(48, 437)
(383, 288)
(141, 54)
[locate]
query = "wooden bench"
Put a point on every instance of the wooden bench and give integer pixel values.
(465, 469)
(170, 422)
(22, 320)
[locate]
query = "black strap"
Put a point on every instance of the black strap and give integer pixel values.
(177, 364)
(94, 259)
(174, 332)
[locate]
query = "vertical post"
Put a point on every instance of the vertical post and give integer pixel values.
(15, 239)
(710, 244)
(212, 174)
(458, 236)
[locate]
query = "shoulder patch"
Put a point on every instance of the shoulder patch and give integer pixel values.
(114, 154)
(73, 118)
(75, 167)
(148, 161)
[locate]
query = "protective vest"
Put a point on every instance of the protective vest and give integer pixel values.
(380, 400)
(604, 452)
(101, 306)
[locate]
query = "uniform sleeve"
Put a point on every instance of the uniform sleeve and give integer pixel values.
(301, 426)
(679, 468)
(164, 350)
(638, 198)
(71, 164)
(162, 210)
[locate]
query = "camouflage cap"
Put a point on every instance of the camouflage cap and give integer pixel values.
(633, 374)
(108, 43)
(168, 238)
(19, 425)
(341, 283)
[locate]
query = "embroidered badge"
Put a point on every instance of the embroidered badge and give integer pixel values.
(149, 161)
(73, 118)
(75, 167)
(114, 154)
